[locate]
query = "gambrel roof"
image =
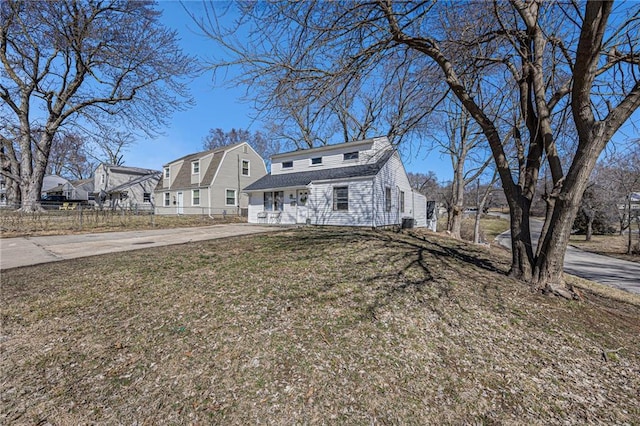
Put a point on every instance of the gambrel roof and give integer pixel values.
(302, 179)
(183, 176)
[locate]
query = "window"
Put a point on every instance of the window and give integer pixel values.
(273, 201)
(195, 197)
(341, 198)
(350, 155)
(287, 164)
(245, 167)
(102, 179)
(401, 201)
(146, 197)
(230, 199)
(166, 173)
(195, 167)
(387, 199)
(167, 199)
(316, 160)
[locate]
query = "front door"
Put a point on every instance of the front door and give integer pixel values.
(179, 203)
(302, 210)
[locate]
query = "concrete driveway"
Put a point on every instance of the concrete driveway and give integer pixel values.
(25, 251)
(606, 270)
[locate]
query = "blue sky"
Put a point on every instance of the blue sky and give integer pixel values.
(220, 106)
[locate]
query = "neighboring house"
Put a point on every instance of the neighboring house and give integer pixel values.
(124, 187)
(3, 192)
(209, 182)
(59, 188)
(361, 183)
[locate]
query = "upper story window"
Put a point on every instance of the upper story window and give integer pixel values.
(195, 167)
(350, 155)
(102, 179)
(166, 173)
(316, 160)
(245, 167)
(287, 164)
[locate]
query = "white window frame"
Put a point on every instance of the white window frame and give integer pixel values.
(235, 197)
(167, 199)
(354, 155)
(146, 197)
(248, 167)
(167, 172)
(401, 201)
(195, 165)
(193, 197)
(289, 164)
(341, 200)
(387, 198)
(276, 201)
(317, 159)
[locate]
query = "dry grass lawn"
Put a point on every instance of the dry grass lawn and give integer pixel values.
(607, 245)
(311, 326)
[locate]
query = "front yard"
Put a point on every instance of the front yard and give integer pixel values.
(338, 326)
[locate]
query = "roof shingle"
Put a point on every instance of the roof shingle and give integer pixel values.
(300, 179)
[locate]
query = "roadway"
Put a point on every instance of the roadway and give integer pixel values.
(605, 270)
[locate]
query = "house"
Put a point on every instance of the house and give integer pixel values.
(55, 187)
(124, 187)
(361, 183)
(209, 182)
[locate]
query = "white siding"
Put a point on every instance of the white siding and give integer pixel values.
(419, 209)
(367, 205)
(332, 156)
(393, 176)
(360, 204)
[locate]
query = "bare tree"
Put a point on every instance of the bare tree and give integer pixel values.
(623, 174)
(263, 144)
(308, 111)
(83, 64)
(68, 157)
(564, 66)
(426, 184)
(464, 146)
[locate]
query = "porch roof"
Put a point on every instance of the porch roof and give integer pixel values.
(302, 179)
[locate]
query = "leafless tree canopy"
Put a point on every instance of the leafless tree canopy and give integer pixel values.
(258, 140)
(529, 73)
(81, 65)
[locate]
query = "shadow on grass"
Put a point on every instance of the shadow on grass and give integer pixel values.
(418, 275)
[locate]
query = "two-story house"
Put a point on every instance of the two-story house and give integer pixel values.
(124, 187)
(209, 182)
(361, 183)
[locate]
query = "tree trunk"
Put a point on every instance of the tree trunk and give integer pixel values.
(522, 259)
(547, 276)
(458, 200)
(31, 183)
(456, 221)
(589, 227)
(629, 243)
